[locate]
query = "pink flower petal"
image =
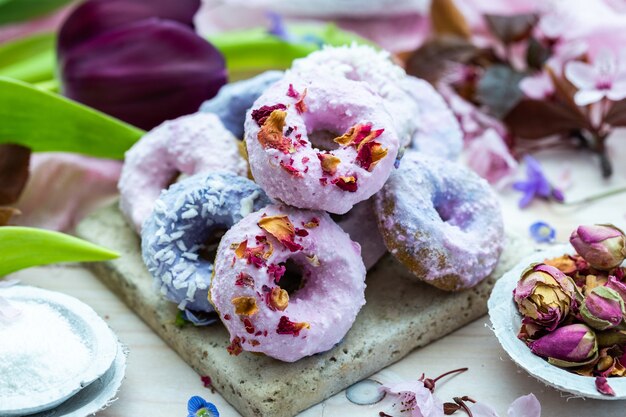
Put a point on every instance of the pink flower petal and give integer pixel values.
(482, 410)
(537, 87)
(525, 406)
(63, 188)
(490, 158)
(585, 97)
(580, 74)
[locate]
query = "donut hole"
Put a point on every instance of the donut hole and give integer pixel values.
(174, 178)
(293, 279)
(209, 246)
(323, 139)
(452, 213)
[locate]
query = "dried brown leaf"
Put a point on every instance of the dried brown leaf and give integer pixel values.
(617, 114)
(14, 169)
(435, 57)
(447, 20)
(536, 119)
(513, 28)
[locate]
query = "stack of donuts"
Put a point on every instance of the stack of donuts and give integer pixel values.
(348, 157)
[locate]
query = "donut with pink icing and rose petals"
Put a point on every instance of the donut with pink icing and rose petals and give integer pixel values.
(320, 143)
(188, 145)
(254, 275)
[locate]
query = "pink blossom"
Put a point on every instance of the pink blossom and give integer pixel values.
(538, 86)
(602, 78)
(524, 406)
(63, 188)
(415, 398)
(490, 158)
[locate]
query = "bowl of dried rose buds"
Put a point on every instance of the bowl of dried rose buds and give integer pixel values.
(560, 314)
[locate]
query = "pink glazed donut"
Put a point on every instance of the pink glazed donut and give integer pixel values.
(187, 145)
(320, 143)
(253, 274)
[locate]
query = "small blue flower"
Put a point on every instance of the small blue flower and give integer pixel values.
(278, 27)
(536, 184)
(199, 407)
(542, 232)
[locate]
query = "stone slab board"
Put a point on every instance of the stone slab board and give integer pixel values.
(400, 315)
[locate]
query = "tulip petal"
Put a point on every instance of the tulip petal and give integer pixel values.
(95, 17)
(144, 73)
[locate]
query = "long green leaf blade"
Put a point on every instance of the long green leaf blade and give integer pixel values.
(20, 10)
(23, 247)
(47, 122)
(30, 59)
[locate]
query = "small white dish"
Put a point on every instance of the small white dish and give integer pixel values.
(96, 396)
(506, 322)
(95, 334)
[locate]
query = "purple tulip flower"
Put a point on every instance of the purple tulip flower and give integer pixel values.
(138, 60)
(602, 245)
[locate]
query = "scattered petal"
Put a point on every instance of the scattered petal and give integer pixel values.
(603, 387)
(542, 232)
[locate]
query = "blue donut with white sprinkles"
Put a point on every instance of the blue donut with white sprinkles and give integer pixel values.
(179, 239)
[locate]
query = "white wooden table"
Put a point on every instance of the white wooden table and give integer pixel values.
(159, 383)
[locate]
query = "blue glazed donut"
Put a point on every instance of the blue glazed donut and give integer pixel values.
(188, 219)
(441, 220)
(234, 99)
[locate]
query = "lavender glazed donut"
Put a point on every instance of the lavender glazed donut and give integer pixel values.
(249, 288)
(187, 145)
(442, 221)
(422, 117)
(292, 123)
(233, 100)
(187, 220)
(360, 223)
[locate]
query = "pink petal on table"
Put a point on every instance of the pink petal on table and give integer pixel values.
(603, 387)
(525, 406)
(482, 410)
(63, 188)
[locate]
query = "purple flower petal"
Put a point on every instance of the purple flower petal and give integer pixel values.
(277, 26)
(144, 73)
(94, 17)
(526, 199)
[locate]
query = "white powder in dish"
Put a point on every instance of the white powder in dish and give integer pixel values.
(38, 351)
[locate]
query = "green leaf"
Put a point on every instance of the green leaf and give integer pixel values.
(511, 29)
(46, 122)
(499, 89)
(20, 10)
(23, 247)
(250, 52)
(30, 59)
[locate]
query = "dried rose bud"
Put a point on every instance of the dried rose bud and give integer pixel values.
(602, 245)
(602, 308)
(567, 346)
(544, 296)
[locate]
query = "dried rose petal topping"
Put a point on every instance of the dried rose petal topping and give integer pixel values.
(301, 233)
(235, 347)
(271, 133)
(313, 260)
(329, 163)
(291, 92)
(290, 169)
(261, 114)
(240, 250)
(369, 154)
(282, 229)
(300, 104)
(346, 183)
(312, 224)
(276, 272)
(286, 326)
(278, 299)
(247, 323)
(354, 135)
(254, 342)
(244, 280)
(245, 306)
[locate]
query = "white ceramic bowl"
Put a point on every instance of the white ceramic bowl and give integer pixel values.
(506, 322)
(88, 326)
